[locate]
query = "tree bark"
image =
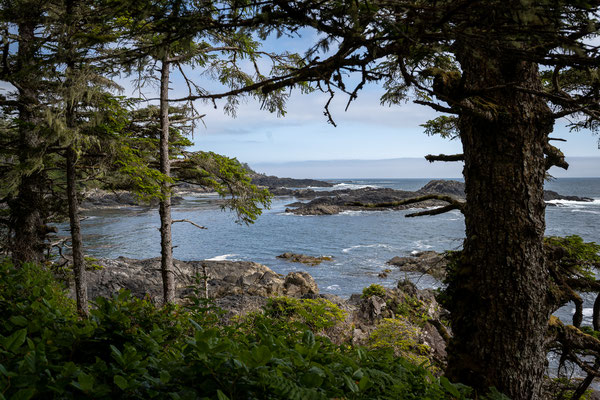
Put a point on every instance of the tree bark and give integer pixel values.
(498, 291)
(166, 246)
(27, 207)
(76, 241)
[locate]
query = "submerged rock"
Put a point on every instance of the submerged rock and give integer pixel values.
(304, 259)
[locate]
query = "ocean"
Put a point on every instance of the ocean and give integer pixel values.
(360, 241)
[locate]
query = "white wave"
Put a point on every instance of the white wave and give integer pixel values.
(333, 287)
(224, 257)
(586, 211)
(364, 245)
(573, 203)
(420, 245)
(353, 186)
(352, 212)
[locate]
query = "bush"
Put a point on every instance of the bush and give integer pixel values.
(373, 290)
(129, 349)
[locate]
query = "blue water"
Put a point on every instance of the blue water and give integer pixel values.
(361, 242)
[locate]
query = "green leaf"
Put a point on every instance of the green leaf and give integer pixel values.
(23, 394)
(86, 381)
(121, 382)
(3, 370)
(221, 395)
(450, 388)
(18, 320)
(261, 355)
(14, 341)
(350, 384)
(165, 377)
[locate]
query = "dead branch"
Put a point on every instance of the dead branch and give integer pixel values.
(444, 157)
(435, 211)
(189, 222)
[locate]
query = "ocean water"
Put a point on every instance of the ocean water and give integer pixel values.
(360, 241)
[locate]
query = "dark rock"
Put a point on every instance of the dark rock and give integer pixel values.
(551, 195)
(304, 259)
(298, 284)
(97, 198)
(225, 278)
(372, 199)
(426, 262)
(439, 186)
(276, 182)
(371, 309)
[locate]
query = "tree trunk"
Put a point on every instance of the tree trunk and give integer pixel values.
(77, 243)
(165, 203)
(27, 207)
(498, 291)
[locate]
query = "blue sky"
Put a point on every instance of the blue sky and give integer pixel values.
(367, 131)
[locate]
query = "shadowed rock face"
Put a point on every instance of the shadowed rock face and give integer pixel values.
(225, 278)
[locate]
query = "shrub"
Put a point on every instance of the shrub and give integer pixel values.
(373, 290)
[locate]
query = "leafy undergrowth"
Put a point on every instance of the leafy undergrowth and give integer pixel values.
(131, 349)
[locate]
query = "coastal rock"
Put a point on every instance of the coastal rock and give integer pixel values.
(225, 278)
(298, 284)
(551, 195)
(304, 259)
(240, 287)
(98, 198)
(276, 182)
(373, 199)
(425, 262)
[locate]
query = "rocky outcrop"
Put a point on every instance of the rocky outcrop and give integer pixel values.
(228, 281)
(276, 182)
(240, 287)
(425, 262)
(442, 186)
(98, 198)
(368, 199)
(304, 259)
(551, 195)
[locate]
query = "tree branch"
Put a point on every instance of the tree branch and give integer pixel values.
(444, 157)
(189, 222)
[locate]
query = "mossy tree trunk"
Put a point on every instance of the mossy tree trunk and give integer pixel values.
(498, 293)
(27, 206)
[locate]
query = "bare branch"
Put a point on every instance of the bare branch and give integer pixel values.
(435, 211)
(444, 157)
(189, 222)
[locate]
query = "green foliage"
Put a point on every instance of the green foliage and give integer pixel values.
(373, 290)
(314, 314)
(400, 336)
(131, 349)
(573, 255)
(443, 125)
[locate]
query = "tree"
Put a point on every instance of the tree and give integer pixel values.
(502, 72)
(176, 34)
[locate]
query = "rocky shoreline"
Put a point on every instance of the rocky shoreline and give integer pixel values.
(312, 202)
(241, 287)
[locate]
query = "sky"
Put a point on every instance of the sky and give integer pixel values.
(368, 135)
